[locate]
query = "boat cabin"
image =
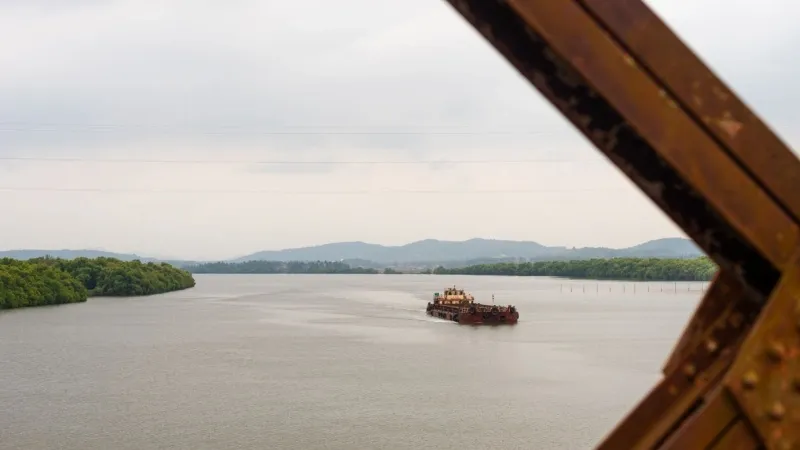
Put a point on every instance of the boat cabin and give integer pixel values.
(452, 296)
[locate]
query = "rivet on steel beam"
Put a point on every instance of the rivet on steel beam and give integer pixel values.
(689, 370)
(776, 351)
(777, 411)
(749, 380)
(711, 346)
(673, 390)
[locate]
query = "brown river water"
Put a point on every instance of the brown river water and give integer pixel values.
(348, 362)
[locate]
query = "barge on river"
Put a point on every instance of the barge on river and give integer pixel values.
(460, 307)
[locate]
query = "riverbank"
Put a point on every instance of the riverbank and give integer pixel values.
(622, 269)
(53, 281)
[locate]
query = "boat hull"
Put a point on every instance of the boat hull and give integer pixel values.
(475, 315)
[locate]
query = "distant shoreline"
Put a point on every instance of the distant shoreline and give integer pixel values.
(618, 269)
(53, 281)
(614, 269)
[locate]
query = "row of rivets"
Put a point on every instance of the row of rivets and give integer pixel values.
(775, 352)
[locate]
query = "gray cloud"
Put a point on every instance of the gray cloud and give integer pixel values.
(318, 81)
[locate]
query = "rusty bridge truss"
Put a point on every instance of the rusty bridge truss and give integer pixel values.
(642, 97)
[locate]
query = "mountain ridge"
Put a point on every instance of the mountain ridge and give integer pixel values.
(422, 252)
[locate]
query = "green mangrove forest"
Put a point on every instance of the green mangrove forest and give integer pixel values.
(634, 269)
(53, 281)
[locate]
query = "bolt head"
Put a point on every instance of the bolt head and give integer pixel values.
(777, 411)
(749, 380)
(776, 351)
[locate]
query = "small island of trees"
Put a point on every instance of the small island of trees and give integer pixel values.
(52, 281)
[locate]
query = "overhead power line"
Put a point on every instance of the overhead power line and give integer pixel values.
(318, 192)
(277, 130)
(289, 162)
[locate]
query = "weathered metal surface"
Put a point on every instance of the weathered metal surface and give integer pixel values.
(738, 436)
(476, 314)
(605, 94)
(701, 367)
(651, 106)
(765, 378)
(701, 93)
(715, 303)
(707, 425)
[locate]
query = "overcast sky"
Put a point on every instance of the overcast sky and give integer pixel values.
(393, 83)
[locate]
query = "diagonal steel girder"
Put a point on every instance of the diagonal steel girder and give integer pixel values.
(623, 78)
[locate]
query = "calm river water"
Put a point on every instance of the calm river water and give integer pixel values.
(348, 362)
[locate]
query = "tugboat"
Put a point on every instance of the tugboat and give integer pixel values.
(460, 307)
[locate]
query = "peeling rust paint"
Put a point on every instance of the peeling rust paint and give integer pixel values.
(730, 126)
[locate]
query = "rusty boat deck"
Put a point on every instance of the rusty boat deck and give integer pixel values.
(460, 307)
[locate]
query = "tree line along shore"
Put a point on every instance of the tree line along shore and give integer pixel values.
(53, 281)
(633, 269)
(629, 269)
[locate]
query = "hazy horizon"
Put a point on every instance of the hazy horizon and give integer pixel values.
(178, 257)
(202, 130)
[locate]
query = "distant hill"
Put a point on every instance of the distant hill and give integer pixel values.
(70, 254)
(474, 251)
(428, 253)
(426, 250)
(663, 248)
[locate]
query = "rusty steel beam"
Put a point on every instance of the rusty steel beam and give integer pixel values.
(765, 378)
(620, 76)
(738, 436)
(635, 121)
(707, 426)
(699, 368)
(701, 93)
(718, 302)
